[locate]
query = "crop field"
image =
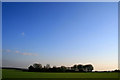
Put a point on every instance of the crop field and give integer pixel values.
(8, 73)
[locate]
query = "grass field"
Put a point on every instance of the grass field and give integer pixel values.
(8, 73)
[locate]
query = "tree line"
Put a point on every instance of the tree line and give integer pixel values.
(75, 68)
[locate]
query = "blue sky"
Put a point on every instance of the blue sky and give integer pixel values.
(63, 33)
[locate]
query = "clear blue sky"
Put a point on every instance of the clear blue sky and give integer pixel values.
(60, 34)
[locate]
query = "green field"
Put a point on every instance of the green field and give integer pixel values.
(7, 73)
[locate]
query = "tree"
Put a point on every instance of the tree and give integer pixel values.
(31, 68)
(88, 68)
(47, 66)
(63, 68)
(54, 67)
(37, 66)
(75, 67)
(80, 67)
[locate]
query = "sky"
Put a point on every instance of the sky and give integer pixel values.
(60, 34)
(60, 0)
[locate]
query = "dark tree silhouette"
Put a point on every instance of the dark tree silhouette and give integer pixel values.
(47, 66)
(88, 68)
(54, 67)
(31, 68)
(37, 66)
(80, 67)
(63, 68)
(76, 68)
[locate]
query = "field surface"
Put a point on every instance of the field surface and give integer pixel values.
(8, 73)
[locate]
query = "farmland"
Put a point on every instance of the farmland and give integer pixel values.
(11, 73)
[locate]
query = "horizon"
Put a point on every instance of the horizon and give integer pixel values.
(60, 34)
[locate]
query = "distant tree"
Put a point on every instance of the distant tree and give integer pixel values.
(47, 66)
(44, 67)
(75, 67)
(80, 67)
(63, 68)
(37, 66)
(54, 67)
(31, 68)
(85, 69)
(116, 70)
(88, 68)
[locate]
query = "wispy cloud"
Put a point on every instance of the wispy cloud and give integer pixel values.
(18, 52)
(29, 54)
(22, 33)
(8, 50)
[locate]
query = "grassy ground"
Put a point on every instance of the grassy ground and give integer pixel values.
(7, 73)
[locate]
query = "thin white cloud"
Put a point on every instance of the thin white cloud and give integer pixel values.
(17, 52)
(22, 33)
(7, 50)
(21, 53)
(29, 54)
(26, 53)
